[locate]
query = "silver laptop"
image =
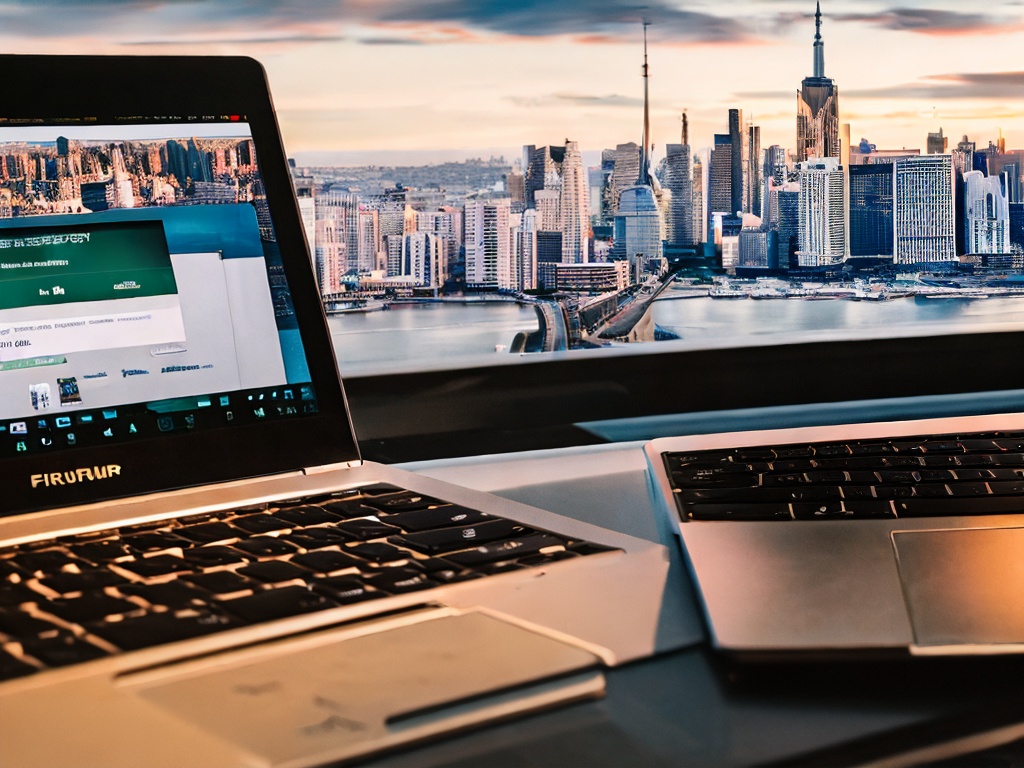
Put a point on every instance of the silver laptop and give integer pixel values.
(196, 568)
(888, 537)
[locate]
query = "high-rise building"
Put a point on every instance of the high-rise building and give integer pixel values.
(871, 210)
(679, 181)
(739, 157)
(986, 215)
(336, 238)
(817, 107)
(369, 254)
(923, 210)
(822, 213)
(574, 206)
(524, 272)
(543, 170)
(937, 143)
(789, 226)
(720, 197)
(774, 173)
(488, 244)
(422, 259)
(752, 202)
(625, 172)
(446, 223)
(698, 196)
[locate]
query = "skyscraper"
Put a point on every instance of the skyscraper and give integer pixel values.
(638, 222)
(817, 107)
(923, 210)
(488, 244)
(822, 213)
(738, 159)
(871, 209)
(986, 214)
(679, 181)
(574, 206)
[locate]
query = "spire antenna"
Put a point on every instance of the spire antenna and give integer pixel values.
(645, 160)
(819, 45)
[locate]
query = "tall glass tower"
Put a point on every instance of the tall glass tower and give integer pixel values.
(817, 107)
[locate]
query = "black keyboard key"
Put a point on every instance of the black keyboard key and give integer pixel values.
(326, 561)
(274, 572)
(738, 511)
(277, 604)
(210, 533)
(437, 517)
(16, 594)
(219, 583)
(306, 514)
(506, 550)
(366, 528)
(451, 539)
(43, 562)
(100, 552)
(174, 595)
(11, 667)
(91, 607)
(153, 542)
(265, 546)
(86, 581)
(400, 580)
(346, 590)
(316, 538)
(262, 523)
(214, 556)
(17, 623)
(61, 649)
(377, 552)
(156, 566)
(964, 505)
(134, 632)
(402, 502)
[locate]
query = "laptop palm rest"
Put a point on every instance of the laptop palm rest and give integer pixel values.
(336, 696)
(964, 587)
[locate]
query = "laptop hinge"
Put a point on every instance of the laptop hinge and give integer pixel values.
(319, 470)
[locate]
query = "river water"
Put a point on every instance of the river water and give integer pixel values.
(408, 337)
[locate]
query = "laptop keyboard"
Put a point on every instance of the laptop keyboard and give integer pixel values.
(78, 598)
(934, 476)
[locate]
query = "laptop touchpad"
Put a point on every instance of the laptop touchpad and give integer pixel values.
(963, 586)
(337, 696)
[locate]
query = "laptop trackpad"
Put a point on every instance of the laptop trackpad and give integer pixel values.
(963, 586)
(337, 696)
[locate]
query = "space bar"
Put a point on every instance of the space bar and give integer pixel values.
(974, 505)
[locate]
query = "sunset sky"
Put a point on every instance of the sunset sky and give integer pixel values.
(485, 77)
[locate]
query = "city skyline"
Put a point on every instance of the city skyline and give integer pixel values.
(490, 77)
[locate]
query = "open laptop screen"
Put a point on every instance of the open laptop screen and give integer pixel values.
(147, 302)
(141, 289)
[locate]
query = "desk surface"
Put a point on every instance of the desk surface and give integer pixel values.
(691, 707)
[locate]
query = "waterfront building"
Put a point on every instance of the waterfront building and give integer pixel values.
(817, 107)
(368, 248)
(822, 213)
(592, 278)
(488, 244)
(923, 210)
(304, 196)
(638, 226)
(1016, 214)
(336, 238)
(422, 259)
(524, 268)
(739, 156)
(679, 181)
(986, 215)
(720, 197)
(752, 202)
(698, 197)
(871, 210)
(758, 249)
(446, 224)
(574, 206)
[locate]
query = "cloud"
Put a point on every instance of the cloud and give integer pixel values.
(935, 21)
(960, 86)
(145, 21)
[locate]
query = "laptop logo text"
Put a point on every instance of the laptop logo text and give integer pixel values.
(80, 475)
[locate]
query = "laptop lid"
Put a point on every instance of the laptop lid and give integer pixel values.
(160, 326)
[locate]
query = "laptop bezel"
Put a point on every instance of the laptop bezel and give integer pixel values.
(49, 87)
